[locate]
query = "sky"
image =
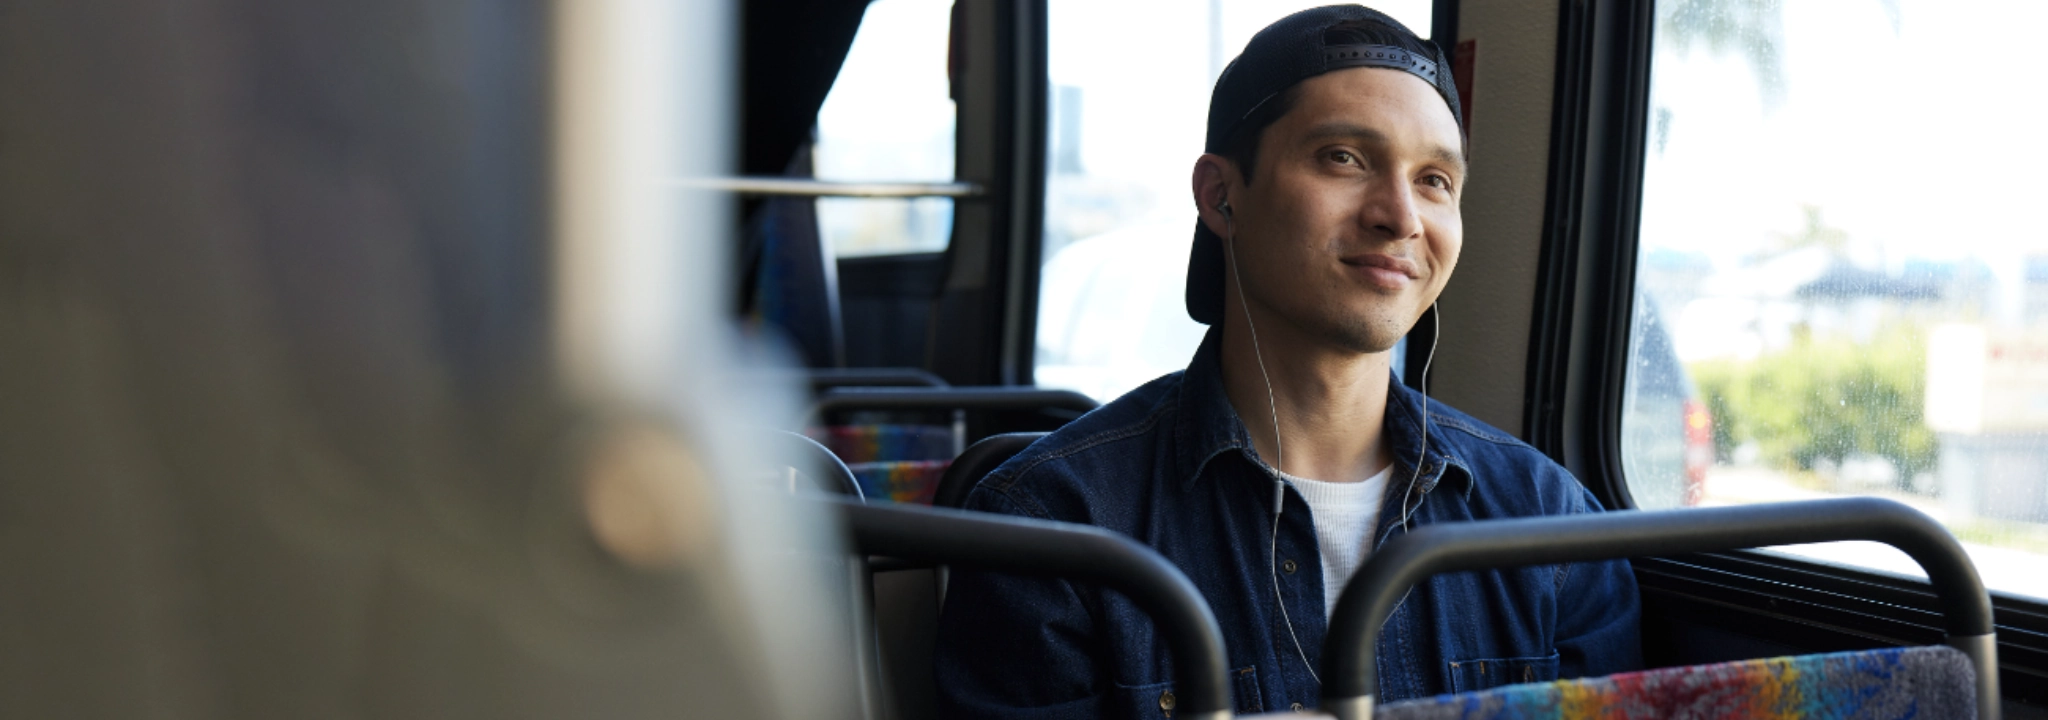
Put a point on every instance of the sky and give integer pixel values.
(1921, 142)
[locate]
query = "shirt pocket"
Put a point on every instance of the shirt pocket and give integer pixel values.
(1485, 673)
(1157, 700)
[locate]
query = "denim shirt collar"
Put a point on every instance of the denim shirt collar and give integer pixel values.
(1207, 426)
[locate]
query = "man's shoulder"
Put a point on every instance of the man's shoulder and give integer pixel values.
(1505, 470)
(1462, 429)
(1061, 476)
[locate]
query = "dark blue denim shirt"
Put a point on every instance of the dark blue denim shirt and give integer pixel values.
(1171, 465)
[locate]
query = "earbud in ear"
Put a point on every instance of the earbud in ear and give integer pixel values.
(1224, 207)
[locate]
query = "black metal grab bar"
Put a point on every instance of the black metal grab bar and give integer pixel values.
(947, 398)
(1077, 552)
(1350, 675)
(823, 379)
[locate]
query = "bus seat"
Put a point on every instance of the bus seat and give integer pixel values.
(901, 463)
(1918, 682)
(802, 456)
(883, 442)
(907, 602)
(1959, 680)
(1081, 553)
(895, 462)
(977, 462)
(904, 481)
(907, 462)
(791, 282)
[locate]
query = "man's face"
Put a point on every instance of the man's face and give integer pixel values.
(1350, 227)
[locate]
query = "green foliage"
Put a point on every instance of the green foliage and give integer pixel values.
(1825, 400)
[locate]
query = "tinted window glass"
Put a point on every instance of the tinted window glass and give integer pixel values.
(1843, 276)
(889, 117)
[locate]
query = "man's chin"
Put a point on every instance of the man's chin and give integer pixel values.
(1368, 336)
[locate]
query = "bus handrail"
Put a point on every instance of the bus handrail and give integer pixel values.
(1350, 673)
(986, 397)
(806, 187)
(1076, 552)
(823, 379)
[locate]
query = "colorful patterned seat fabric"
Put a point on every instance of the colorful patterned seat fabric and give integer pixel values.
(904, 481)
(902, 463)
(1920, 682)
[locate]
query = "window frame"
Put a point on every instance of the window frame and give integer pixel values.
(1579, 339)
(986, 310)
(1579, 329)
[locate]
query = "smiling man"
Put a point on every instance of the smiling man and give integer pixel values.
(1287, 452)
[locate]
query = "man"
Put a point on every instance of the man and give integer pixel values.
(1329, 222)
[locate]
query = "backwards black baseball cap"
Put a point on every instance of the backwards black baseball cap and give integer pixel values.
(1287, 52)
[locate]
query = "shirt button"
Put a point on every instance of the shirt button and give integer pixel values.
(1166, 701)
(1288, 566)
(1295, 707)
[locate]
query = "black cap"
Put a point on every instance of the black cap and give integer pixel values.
(1285, 53)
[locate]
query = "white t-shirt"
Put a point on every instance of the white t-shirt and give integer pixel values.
(1345, 514)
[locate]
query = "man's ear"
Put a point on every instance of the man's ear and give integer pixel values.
(1214, 177)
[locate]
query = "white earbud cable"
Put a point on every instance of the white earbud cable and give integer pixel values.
(1437, 325)
(1279, 453)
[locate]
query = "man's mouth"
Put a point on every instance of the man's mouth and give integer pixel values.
(1384, 270)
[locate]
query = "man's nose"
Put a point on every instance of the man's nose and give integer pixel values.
(1390, 211)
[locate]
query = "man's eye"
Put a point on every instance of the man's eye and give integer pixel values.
(1438, 181)
(1343, 157)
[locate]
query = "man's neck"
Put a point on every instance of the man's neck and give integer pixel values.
(1331, 403)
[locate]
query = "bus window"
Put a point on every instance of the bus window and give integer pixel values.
(1126, 111)
(1842, 281)
(889, 117)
